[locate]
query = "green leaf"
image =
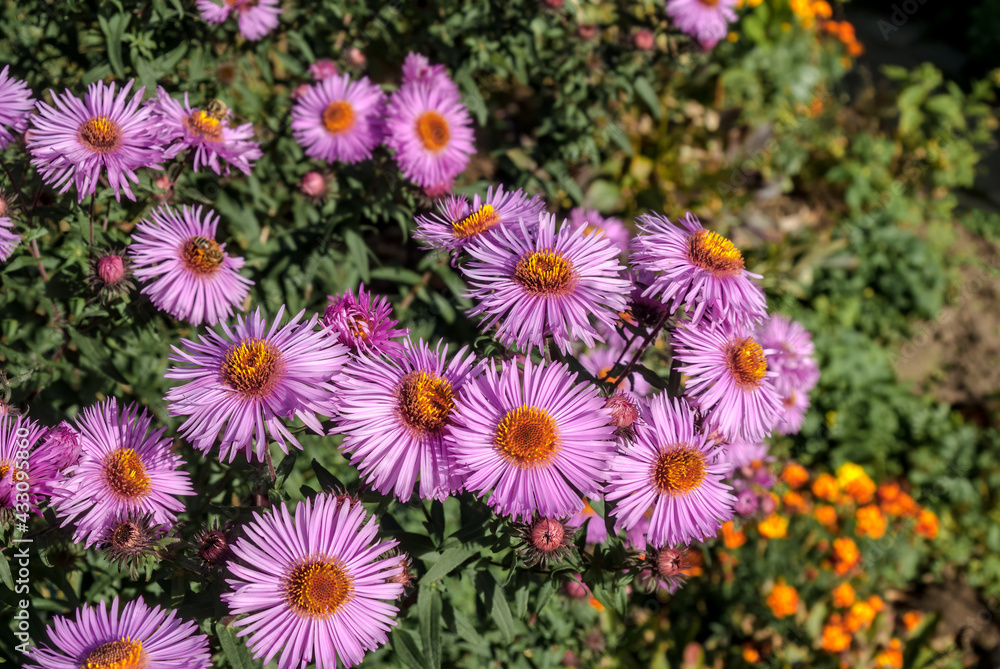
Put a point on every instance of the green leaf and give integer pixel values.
(113, 30)
(5, 575)
(646, 93)
(429, 614)
(236, 651)
(359, 253)
(501, 613)
(406, 649)
(447, 563)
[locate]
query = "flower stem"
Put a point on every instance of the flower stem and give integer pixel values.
(650, 336)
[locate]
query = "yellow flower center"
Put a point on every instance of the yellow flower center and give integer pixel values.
(319, 588)
(100, 134)
(202, 255)
(252, 367)
(126, 475)
(433, 131)
(714, 253)
(201, 123)
(338, 117)
(121, 654)
(425, 401)
(527, 437)
(544, 272)
(747, 363)
(679, 470)
(476, 223)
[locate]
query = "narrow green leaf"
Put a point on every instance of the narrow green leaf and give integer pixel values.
(429, 613)
(645, 91)
(501, 613)
(236, 651)
(406, 649)
(5, 575)
(447, 563)
(113, 30)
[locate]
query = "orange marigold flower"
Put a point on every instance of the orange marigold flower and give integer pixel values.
(732, 537)
(835, 639)
(895, 502)
(855, 482)
(750, 653)
(891, 657)
(795, 475)
(927, 524)
(695, 561)
(825, 487)
(596, 604)
(825, 515)
(860, 616)
(822, 9)
(846, 555)
(794, 502)
(774, 526)
(911, 619)
(783, 600)
(870, 522)
(843, 595)
(876, 603)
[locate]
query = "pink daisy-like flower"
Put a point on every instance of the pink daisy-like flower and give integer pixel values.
(794, 406)
(242, 382)
(727, 375)
(9, 239)
(208, 132)
(322, 69)
(16, 104)
(671, 470)
(417, 69)
(740, 453)
(362, 323)
(457, 224)
(62, 442)
(537, 439)
(705, 20)
(533, 284)
(340, 119)
(313, 588)
(75, 140)
(255, 18)
(789, 350)
(122, 469)
(699, 268)
(185, 272)
(591, 220)
(395, 415)
(431, 132)
(138, 636)
(26, 467)
(597, 530)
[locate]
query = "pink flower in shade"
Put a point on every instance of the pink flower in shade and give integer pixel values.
(356, 56)
(705, 20)
(322, 69)
(537, 439)
(255, 18)
(794, 406)
(313, 185)
(74, 142)
(185, 272)
(339, 119)
(673, 471)
(16, 105)
(790, 351)
(592, 221)
(208, 132)
(63, 442)
(728, 376)
(701, 269)
(644, 40)
(395, 415)
(417, 69)
(363, 323)
(9, 239)
(240, 383)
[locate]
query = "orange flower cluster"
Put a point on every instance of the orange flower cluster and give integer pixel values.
(794, 502)
(855, 482)
(927, 524)
(895, 502)
(795, 475)
(836, 638)
(891, 657)
(783, 600)
(846, 555)
(732, 537)
(843, 595)
(912, 619)
(861, 614)
(826, 488)
(844, 32)
(870, 522)
(826, 515)
(774, 526)
(809, 10)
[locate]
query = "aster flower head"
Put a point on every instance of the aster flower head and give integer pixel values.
(705, 20)
(362, 322)
(255, 18)
(395, 415)
(24, 462)
(671, 470)
(185, 272)
(74, 141)
(110, 275)
(240, 382)
(123, 468)
(339, 118)
(214, 546)
(593, 222)
(537, 439)
(459, 223)
(133, 635)
(131, 541)
(533, 284)
(9, 239)
(728, 377)
(417, 69)
(790, 351)
(664, 569)
(741, 453)
(544, 541)
(208, 132)
(431, 132)
(322, 69)
(16, 105)
(792, 414)
(313, 588)
(63, 443)
(597, 530)
(701, 269)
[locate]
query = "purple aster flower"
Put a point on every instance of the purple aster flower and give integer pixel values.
(362, 323)
(699, 268)
(746, 502)
(418, 69)
(705, 20)
(16, 104)
(431, 132)
(728, 376)
(9, 239)
(671, 469)
(314, 587)
(207, 131)
(72, 142)
(243, 381)
(122, 469)
(537, 439)
(644, 311)
(792, 415)
(592, 221)
(340, 119)
(458, 224)
(63, 442)
(255, 18)
(395, 415)
(789, 350)
(322, 69)
(539, 283)
(597, 530)
(136, 637)
(25, 467)
(741, 453)
(185, 272)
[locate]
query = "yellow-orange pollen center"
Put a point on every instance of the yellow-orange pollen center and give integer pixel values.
(121, 654)
(679, 470)
(476, 223)
(319, 588)
(714, 253)
(202, 255)
(710, 3)
(100, 134)
(425, 401)
(251, 367)
(124, 536)
(746, 362)
(126, 475)
(544, 272)
(433, 131)
(527, 437)
(206, 125)
(8, 466)
(338, 117)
